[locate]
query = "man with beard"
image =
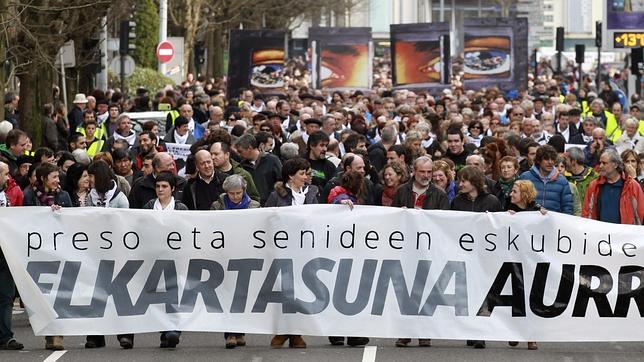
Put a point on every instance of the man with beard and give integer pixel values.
(123, 132)
(614, 197)
(322, 169)
(455, 148)
(147, 146)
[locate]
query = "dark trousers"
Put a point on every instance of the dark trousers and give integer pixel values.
(7, 293)
(236, 335)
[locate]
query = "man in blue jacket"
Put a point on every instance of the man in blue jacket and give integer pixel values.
(553, 190)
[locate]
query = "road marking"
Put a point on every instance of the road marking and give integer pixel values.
(257, 359)
(369, 354)
(54, 356)
(568, 359)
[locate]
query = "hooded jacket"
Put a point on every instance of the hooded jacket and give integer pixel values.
(553, 191)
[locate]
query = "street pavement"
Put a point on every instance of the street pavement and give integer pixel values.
(210, 347)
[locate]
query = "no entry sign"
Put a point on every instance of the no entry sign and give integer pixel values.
(165, 51)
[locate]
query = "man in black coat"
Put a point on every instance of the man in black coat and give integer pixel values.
(143, 189)
(419, 192)
(265, 168)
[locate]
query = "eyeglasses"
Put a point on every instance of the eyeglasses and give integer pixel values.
(518, 114)
(475, 127)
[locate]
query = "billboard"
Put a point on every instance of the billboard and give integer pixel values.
(341, 58)
(256, 61)
(623, 24)
(420, 55)
(496, 53)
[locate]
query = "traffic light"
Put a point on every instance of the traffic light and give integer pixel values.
(127, 33)
(598, 34)
(200, 53)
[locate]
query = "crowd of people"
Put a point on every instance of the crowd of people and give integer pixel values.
(551, 148)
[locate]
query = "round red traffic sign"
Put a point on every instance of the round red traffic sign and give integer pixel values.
(165, 51)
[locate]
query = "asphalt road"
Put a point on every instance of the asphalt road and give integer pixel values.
(210, 347)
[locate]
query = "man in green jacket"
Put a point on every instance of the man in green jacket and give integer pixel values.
(577, 172)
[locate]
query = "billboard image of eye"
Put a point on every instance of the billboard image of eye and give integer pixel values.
(417, 61)
(344, 66)
(487, 56)
(267, 69)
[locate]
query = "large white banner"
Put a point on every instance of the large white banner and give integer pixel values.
(326, 270)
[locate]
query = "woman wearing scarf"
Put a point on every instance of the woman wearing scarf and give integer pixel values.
(47, 192)
(292, 192)
(509, 174)
(165, 185)
(235, 198)
(522, 196)
(394, 174)
(105, 193)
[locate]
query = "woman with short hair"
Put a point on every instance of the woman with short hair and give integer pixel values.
(235, 196)
(292, 191)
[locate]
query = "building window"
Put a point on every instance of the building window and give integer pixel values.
(548, 18)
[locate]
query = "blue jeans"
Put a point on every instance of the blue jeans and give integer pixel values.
(7, 293)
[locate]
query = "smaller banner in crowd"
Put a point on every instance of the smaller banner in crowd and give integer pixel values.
(256, 60)
(178, 151)
(418, 55)
(341, 58)
(325, 270)
(496, 53)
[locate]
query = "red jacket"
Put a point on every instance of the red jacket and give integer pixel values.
(631, 201)
(13, 192)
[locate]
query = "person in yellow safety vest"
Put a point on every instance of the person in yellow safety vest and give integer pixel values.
(94, 144)
(173, 114)
(99, 132)
(635, 112)
(605, 119)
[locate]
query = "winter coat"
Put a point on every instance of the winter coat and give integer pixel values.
(631, 201)
(435, 198)
(61, 199)
(283, 196)
(220, 204)
(13, 192)
(266, 171)
(553, 191)
(582, 181)
(483, 202)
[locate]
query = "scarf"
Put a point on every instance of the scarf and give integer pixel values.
(101, 118)
(581, 176)
(3, 199)
(158, 206)
(181, 139)
(243, 204)
(298, 197)
(95, 199)
(45, 198)
(131, 138)
(506, 186)
(388, 195)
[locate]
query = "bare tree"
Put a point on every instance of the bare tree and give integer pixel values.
(33, 33)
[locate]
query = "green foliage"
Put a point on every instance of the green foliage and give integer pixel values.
(147, 34)
(146, 78)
